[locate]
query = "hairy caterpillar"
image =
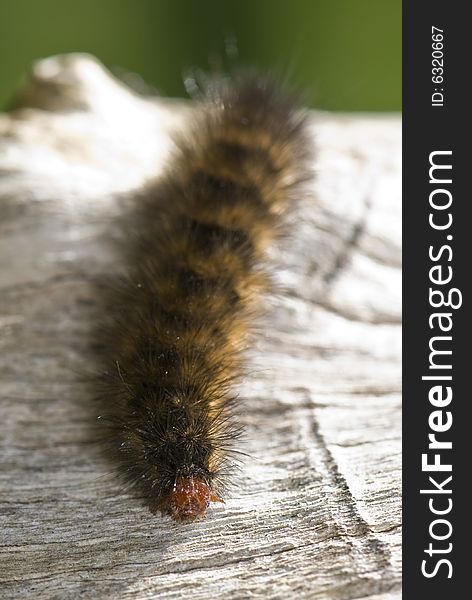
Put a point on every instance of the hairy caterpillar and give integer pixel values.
(195, 276)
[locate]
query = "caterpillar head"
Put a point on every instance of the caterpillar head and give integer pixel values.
(189, 499)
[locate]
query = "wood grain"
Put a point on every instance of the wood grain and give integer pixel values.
(317, 509)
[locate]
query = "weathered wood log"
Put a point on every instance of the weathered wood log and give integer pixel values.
(317, 510)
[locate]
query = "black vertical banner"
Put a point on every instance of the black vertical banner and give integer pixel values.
(437, 220)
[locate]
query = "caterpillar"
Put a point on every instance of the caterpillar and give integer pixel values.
(196, 275)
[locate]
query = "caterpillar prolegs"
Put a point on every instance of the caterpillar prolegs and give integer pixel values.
(195, 278)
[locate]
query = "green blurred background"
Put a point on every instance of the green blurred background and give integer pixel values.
(346, 53)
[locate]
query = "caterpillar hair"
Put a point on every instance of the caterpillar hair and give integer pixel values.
(195, 276)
